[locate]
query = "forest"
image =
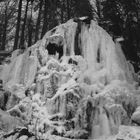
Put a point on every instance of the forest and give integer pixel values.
(23, 22)
(69, 70)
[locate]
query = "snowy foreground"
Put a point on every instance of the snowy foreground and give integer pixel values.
(75, 83)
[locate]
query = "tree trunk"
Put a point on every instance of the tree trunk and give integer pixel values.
(18, 25)
(54, 12)
(68, 9)
(95, 6)
(44, 28)
(30, 29)
(38, 21)
(99, 13)
(23, 27)
(62, 11)
(4, 30)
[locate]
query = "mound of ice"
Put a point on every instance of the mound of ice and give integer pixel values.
(75, 83)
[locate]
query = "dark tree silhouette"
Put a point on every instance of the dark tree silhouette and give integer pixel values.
(38, 21)
(44, 28)
(18, 25)
(22, 45)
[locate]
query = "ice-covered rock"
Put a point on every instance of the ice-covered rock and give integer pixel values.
(9, 123)
(136, 116)
(4, 98)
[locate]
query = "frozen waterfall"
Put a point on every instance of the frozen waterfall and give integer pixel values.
(77, 81)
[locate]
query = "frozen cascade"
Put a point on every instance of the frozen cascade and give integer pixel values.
(74, 83)
(20, 72)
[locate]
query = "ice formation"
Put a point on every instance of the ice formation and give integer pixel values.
(75, 83)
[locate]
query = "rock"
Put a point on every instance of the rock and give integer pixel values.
(13, 100)
(23, 138)
(32, 138)
(9, 123)
(22, 110)
(128, 132)
(51, 85)
(9, 138)
(136, 116)
(12, 136)
(4, 98)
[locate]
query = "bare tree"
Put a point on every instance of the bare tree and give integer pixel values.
(23, 27)
(18, 25)
(5, 26)
(38, 21)
(30, 26)
(44, 28)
